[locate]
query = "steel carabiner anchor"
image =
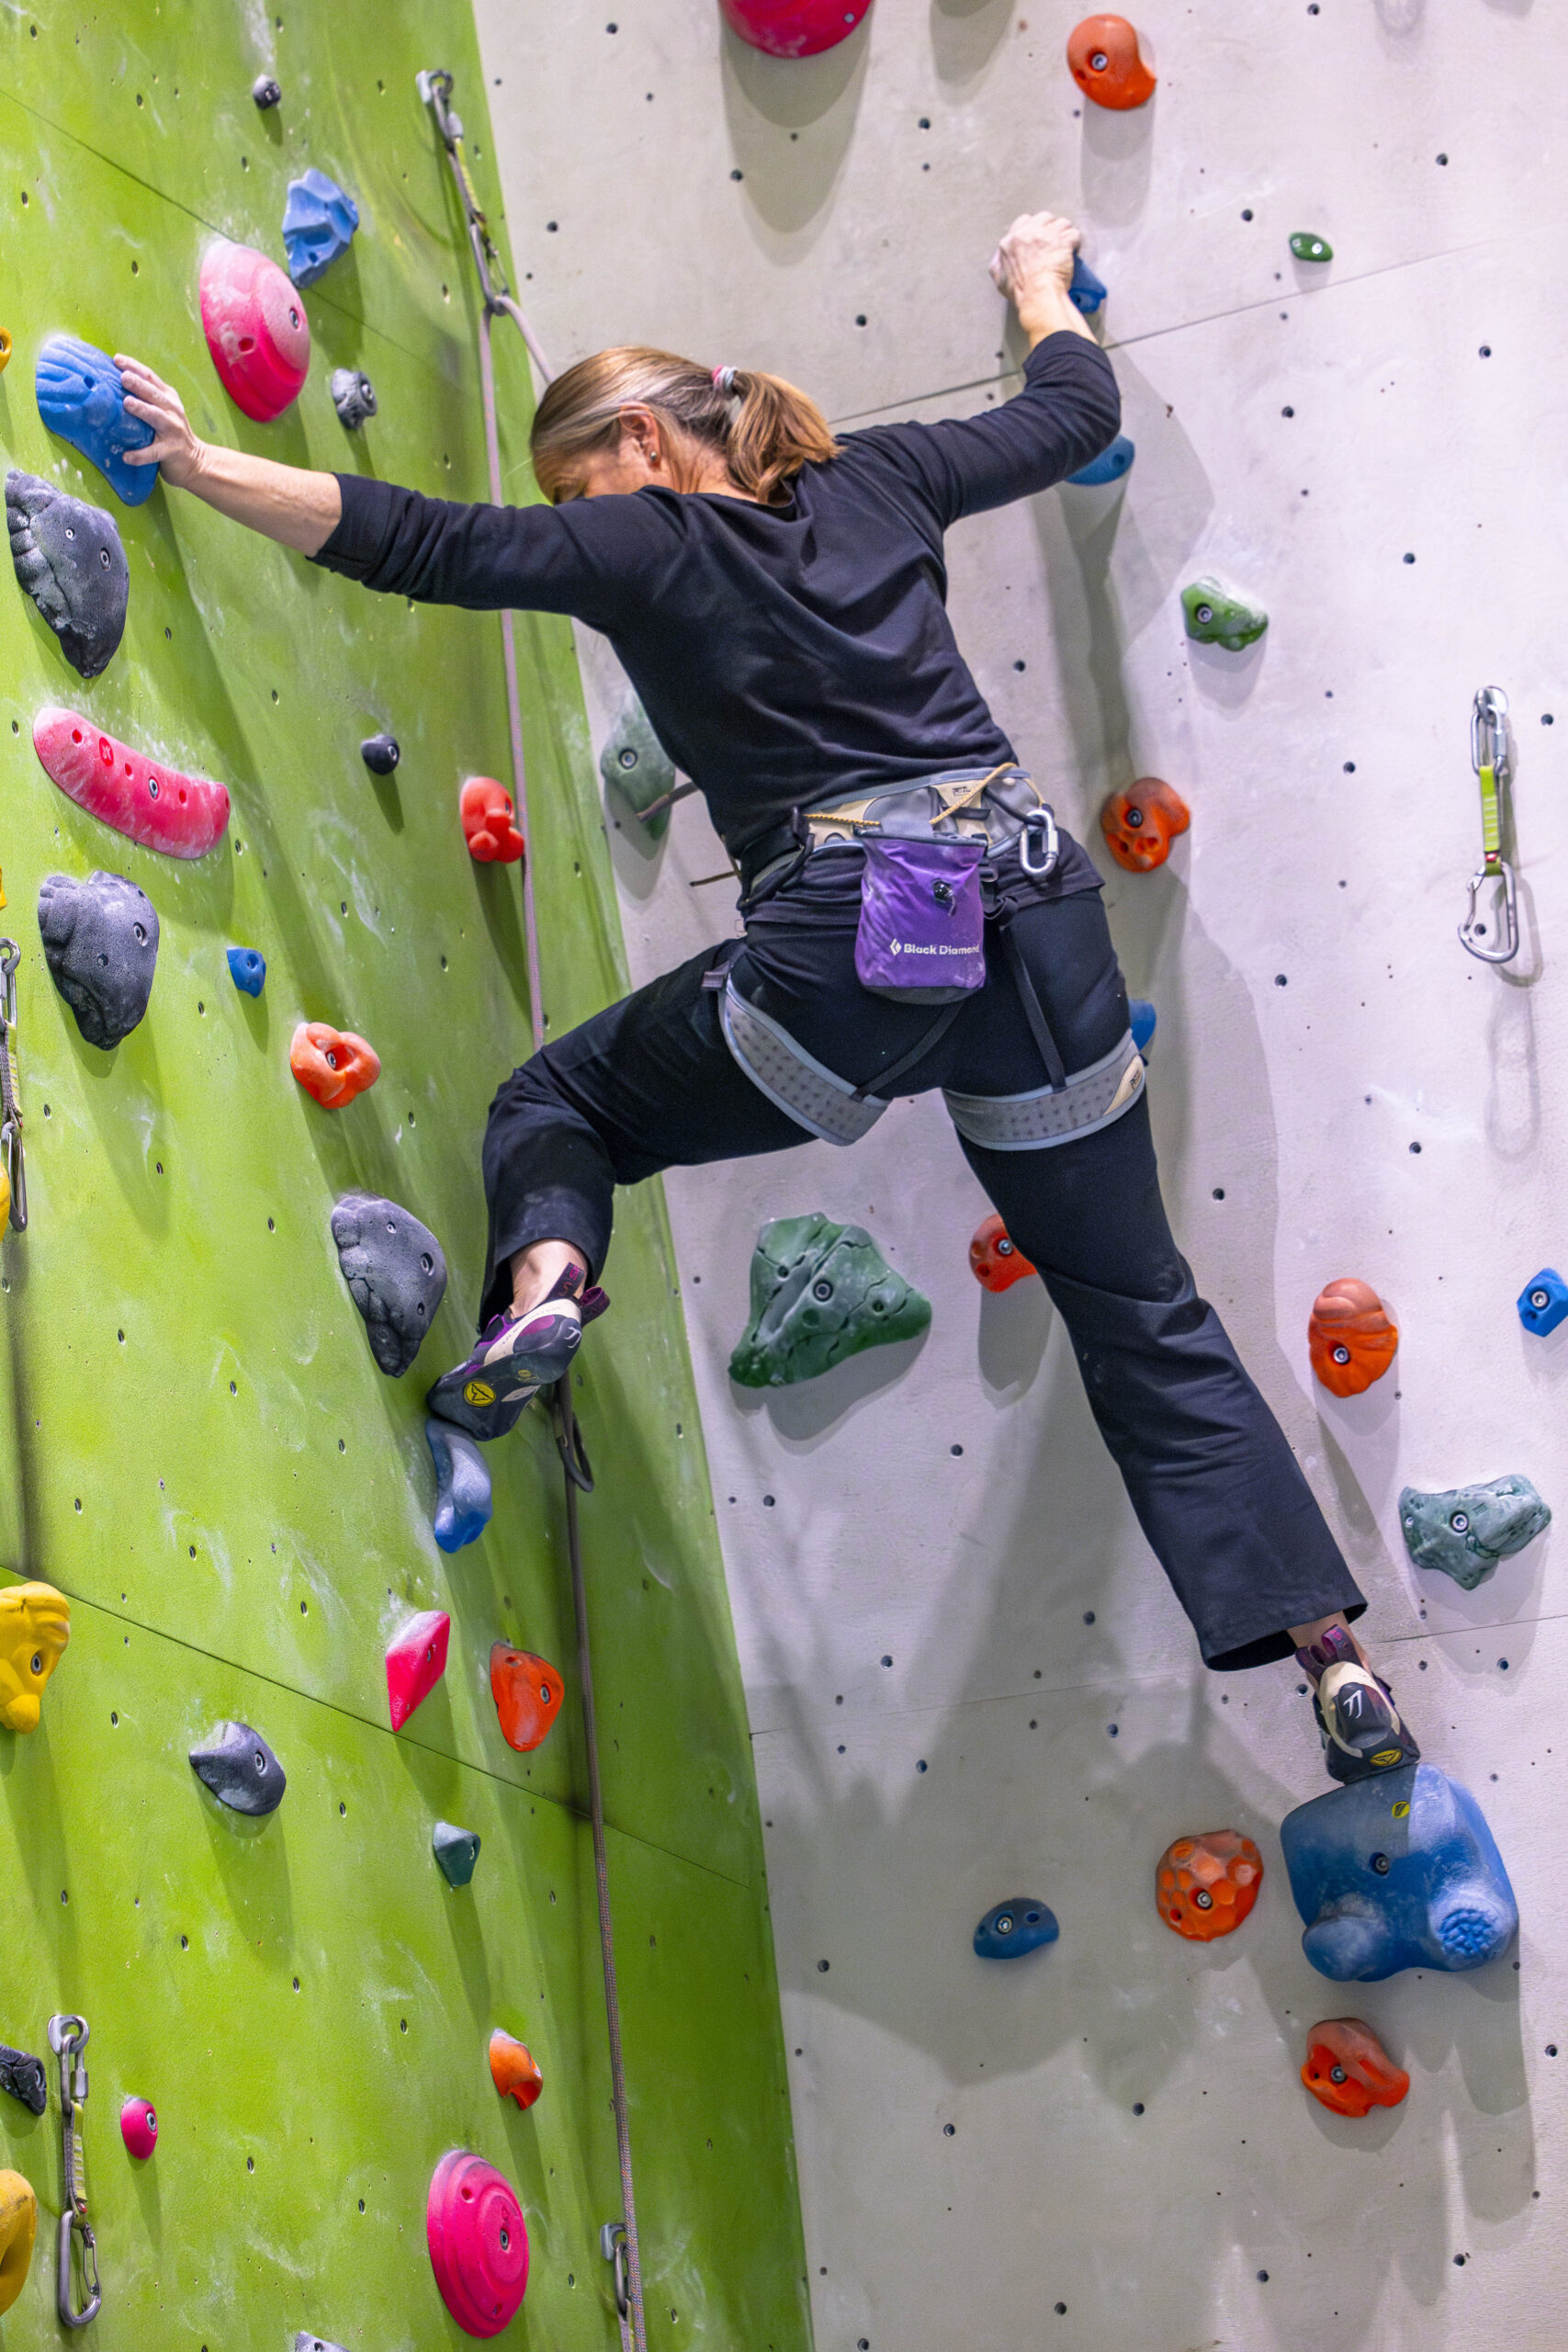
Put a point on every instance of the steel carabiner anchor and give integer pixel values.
(1489, 757)
(612, 2247)
(10, 1109)
(68, 2038)
(1039, 819)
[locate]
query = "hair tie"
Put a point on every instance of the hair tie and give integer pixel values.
(724, 381)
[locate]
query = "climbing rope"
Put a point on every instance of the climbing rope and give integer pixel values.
(618, 2240)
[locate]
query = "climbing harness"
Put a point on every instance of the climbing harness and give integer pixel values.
(1489, 757)
(435, 88)
(1089, 1098)
(10, 1109)
(68, 2040)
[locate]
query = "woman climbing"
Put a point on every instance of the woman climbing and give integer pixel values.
(913, 916)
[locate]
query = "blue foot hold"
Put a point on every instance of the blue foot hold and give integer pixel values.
(247, 969)
(1012, 1928)
(1399, 1871)
(1110, 466)
(1085, 292)
(1143, 1019)
(319, 223)
(1544, 1302)
(462, 1486)
(80, 396)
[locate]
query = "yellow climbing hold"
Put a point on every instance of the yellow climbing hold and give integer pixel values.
(19, 2228)
(5, 356)
(35, 1626)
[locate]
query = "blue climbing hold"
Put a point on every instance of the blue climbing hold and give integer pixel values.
(1143, 1019)
(1087, 291)
(462, 1487)
(319, 223)
(1110, 466)
(1012, 1928)
(1544, 1302)
(1397, 1871)
(80, 396)
(247, 969)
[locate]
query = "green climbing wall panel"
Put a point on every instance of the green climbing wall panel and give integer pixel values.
(198, 1447)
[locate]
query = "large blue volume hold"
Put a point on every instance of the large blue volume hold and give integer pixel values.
(463, 1504)
(1110, 466)
(1086, 291)
(1544, 1302)
(1397, 1871)
(1010, 1929)
(80, 396)
(319, 223)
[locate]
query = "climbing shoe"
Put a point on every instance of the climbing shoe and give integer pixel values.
(1360, 1726)
(516, 1357)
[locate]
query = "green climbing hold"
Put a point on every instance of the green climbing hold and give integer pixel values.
(1467, 1531)
(457, 1850)
(1307, 246)
(636, 765)
(821, 1292)
(1216, 617)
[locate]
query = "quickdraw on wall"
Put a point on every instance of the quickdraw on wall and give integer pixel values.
(14, 1173)
(1495, 938)
(68, 2040)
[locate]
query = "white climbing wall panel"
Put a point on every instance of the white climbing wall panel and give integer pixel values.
(1337, 1087)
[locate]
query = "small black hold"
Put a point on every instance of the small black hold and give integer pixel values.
(1279, 980)
(70, 559)
(1246, 216)
(1487, 351)
(100, 941)
(240, 1769)
(1089, 1616)
(1409, 559)
(1287, 412)
(353, 397)
(1349, 768)
(380, 754)
(24, 2077)
(396, 1273)
(1219, 1193)
(1442, 158)
(266, 92)
(821, 1968)
(1137, 2106)
(1415, 1146)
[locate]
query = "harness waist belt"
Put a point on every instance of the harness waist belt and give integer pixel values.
(991, 806)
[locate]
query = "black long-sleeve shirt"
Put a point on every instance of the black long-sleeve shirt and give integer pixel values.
(781, 654)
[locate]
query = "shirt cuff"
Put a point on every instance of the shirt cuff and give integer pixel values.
(356, 545)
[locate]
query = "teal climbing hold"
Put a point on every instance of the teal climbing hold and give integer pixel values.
(81, 397)
(821, 1292)
(247, 969)
(1468, 1530)
(463, 1503)
(637, 765)
(1216, 617)
(319, 223)
(1307, 246)
(457, 1850)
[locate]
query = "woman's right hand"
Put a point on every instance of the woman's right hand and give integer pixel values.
(1032, 266)
(174, 445)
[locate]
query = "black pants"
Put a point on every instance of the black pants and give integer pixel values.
(649, 1084)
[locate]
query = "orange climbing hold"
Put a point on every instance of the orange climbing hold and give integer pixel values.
(527, 1693)
(1141, 823)
(489, 822)
(513, 2069)
(1107, 63)
(995, 1258)
(1205, 1886)
(333, 1064)
(1351, 1338)
(1347, 2070)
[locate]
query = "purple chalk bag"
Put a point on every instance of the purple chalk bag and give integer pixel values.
(922, 933)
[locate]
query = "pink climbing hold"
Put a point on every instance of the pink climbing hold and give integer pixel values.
(478, 2243)
(256, 327)
(181, 815)
(416, 1660)
(138, 2127)
(794, 28)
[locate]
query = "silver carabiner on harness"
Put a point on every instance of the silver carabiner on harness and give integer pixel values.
(1489, 757)
(68, 2040)
(1039, 820)
(10, 1109)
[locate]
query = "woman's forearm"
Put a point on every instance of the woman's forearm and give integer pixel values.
(1047, 310)
(286, 503)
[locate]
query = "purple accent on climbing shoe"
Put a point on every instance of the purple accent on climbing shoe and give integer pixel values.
(922, 926)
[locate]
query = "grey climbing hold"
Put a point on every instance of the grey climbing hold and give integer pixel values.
(457, 1850)
(634, 764)
(240, 1769)
(395, 1271)
(24, 2077)
(306, 2342)
(1466, 1531)
(266, 94)
(380, 754)
(463, 1504)
(100, 941)
(821, 1292)
(353, 397)
(70, 559)
(1216, 616)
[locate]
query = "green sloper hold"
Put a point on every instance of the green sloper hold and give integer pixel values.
(636, 763)
(1216, 617)
(457, 1850)
(1467, 1531)
(821, 1292)
(1307, 245)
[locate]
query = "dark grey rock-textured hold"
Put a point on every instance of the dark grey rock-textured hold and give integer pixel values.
(306, 2342)
(100, 941)
(70, 559)
(395, 1271)
(266, 92)
(353, 397)
(457, 1850)
(24, 2077)
(380, 754)
(240, 1769)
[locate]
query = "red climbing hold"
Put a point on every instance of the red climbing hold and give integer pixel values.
(139, 2128)
(1205, 1886)
(256, 327)
(1107, 63)
(489, 822)
(181, 815)
(994, 1260)
(1351, 1338)
(527, 1693)
(1348, 2069)
(478, 2243)
(333, 1064)
(513, 2069)
(794, 28)
(1141, 823)
(416, 1660)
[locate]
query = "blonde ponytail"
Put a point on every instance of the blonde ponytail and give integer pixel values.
(765, 440)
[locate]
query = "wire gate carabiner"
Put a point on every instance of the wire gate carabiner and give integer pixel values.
(10, 1109)
(1489, 757)
(68, 2040)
